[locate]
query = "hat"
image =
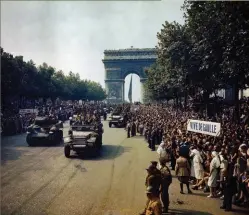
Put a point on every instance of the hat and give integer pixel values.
(163, 160)
(214, 153)
(150, 189)
(154, 163)
(243, 146)
(150, 168)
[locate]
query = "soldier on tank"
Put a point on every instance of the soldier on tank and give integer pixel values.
(100, 129)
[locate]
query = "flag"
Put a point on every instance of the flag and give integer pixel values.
(130, 91)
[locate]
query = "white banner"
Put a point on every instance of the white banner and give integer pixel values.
(27, 111)
(204, 127)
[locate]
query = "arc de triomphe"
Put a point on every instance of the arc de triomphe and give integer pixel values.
(120, 63)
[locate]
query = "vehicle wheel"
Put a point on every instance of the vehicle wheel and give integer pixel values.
(52, 138)
(29, 140)
(67, 151)
(60, 135)
(96, 152)
(98, 145)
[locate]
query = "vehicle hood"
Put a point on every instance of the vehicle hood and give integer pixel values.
(40, 135)
(116, 117)
(83, 134)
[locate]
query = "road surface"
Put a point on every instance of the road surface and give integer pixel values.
(42, 181)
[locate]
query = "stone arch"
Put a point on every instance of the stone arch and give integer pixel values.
(120, 63)
(138, 70)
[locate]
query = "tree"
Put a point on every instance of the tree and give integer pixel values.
(220, 31)
(209, 52)
(23, 80)
(95, 91)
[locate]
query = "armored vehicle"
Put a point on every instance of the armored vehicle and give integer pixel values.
(45, 130)
(72, 119)
(117, 121)
(83, 138)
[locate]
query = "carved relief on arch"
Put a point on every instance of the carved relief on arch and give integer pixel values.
(113, 74)
(112, 69)
(115, 90)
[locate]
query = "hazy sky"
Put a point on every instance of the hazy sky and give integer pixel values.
(73, 35)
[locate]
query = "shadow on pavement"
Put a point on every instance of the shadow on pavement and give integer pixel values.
(46, 145)
(194, 193)
(186, 212)
(10, 153)
(193, 212)
(137, 137)
(108, 152)
(238, 210)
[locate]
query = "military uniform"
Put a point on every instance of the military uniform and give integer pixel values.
(230, 188)
(173, 155)
(154, 207)
(153, 140)
(182, 170)
(100, 131)
(153, 179)
(160, 135)
(149, 137)
(128, 130)
(157, 171)
(133, 129)
(165, 183)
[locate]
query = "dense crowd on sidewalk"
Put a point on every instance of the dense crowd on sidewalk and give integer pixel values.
(218, 165)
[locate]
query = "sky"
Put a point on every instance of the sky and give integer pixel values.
(72, 36)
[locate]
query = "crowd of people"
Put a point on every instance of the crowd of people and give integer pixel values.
(217, 165)
(14, 121)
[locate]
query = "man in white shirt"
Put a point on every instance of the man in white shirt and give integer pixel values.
(162, 152)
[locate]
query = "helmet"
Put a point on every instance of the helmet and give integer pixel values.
(151, 189)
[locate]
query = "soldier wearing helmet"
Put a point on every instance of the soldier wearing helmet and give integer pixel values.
(154, 206)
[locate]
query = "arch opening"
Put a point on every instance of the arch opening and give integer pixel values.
(136, 87)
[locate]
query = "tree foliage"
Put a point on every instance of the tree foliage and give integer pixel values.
(209, 52)
(25, 79)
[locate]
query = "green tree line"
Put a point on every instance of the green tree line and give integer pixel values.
(210, 51)
(24, 79)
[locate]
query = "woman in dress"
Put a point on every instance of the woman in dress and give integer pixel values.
(214, 174)
(182, 170)
(198, 166)
(192, 169)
